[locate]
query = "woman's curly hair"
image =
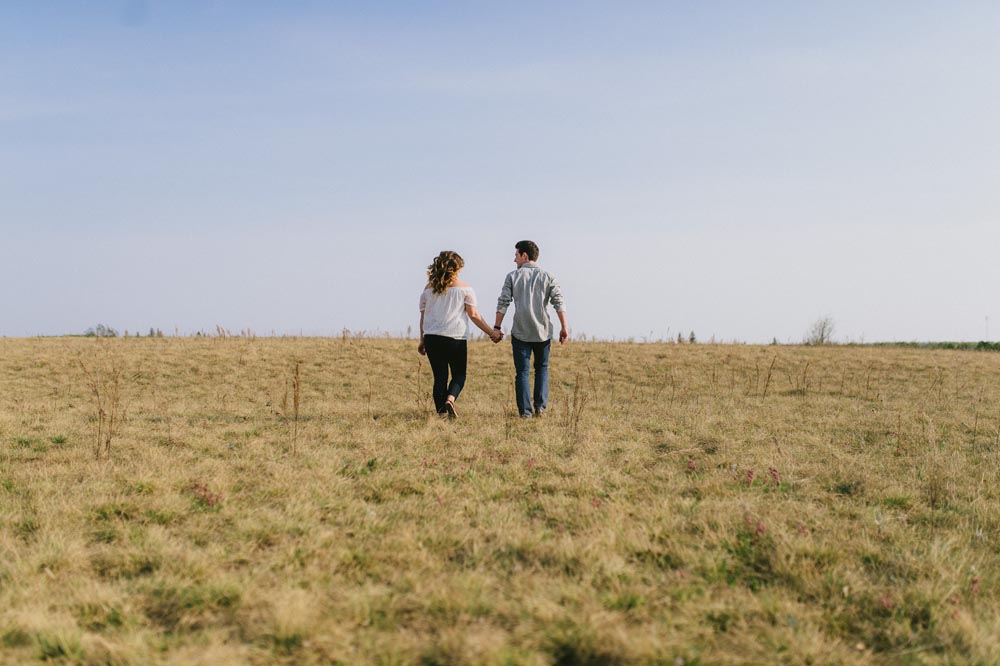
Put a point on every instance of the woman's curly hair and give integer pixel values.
(441, 273)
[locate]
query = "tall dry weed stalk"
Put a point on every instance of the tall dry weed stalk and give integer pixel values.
(869, 376)
(296, 400)
(576, 407)
(369, 396)
(105, 378)
(418, 390)
(936, 480)
(668, 380)
(509, 415)
(996, 440)
(364, 352)
(799, 384)
(843, 381)
(767, 379)
(975, 415)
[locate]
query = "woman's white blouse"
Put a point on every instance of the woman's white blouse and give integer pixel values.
(444, 314)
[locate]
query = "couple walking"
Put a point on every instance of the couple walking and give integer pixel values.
(448, 310)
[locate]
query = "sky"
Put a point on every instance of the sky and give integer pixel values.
(730, 168)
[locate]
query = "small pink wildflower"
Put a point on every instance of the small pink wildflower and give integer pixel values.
(205, 498)
(749, 477)
(775, 475)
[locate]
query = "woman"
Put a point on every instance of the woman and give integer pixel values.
(447, 305)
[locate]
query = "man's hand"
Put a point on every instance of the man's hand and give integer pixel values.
(421, 349)
(564, 333)
(496, 336)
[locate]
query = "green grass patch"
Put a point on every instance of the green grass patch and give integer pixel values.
(190, 607)
(897, 501)
(57, 646)
(15, 637)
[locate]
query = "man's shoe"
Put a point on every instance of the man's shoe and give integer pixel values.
(540, 412)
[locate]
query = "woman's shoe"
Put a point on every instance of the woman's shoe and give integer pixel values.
(449, 407)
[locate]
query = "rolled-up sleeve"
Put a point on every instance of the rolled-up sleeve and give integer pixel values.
(556, 297)
(506, 294)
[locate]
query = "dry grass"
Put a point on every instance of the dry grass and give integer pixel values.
(678, 504)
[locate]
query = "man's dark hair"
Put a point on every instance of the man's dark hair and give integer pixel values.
(527, 247)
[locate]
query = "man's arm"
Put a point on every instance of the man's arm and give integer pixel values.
(506, 296)
(556, 299)
(564, 331)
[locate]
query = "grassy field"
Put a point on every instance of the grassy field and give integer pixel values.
(679, 504)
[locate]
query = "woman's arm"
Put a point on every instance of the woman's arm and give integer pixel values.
(420, 345)
(481, 323)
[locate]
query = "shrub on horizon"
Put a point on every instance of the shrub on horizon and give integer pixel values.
(101, 331)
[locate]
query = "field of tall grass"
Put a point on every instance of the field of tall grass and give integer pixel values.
(238, 500)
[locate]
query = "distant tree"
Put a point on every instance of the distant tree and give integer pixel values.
(692, 339)
(101, 331)
(774, 341)
(680, 338)
(821, 331)
(152, 333)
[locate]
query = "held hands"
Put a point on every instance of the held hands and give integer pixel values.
(496, 336)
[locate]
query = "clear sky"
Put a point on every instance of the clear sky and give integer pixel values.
(734, 168)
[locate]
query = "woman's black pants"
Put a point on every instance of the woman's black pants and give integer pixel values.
(444, 353)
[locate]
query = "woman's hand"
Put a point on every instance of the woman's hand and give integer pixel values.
(421, 349)
(496, 336)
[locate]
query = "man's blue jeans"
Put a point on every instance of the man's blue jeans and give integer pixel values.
(522, 359)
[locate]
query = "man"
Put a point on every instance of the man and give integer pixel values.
(532, 290)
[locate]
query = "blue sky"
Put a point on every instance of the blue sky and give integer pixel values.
(734, 168)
